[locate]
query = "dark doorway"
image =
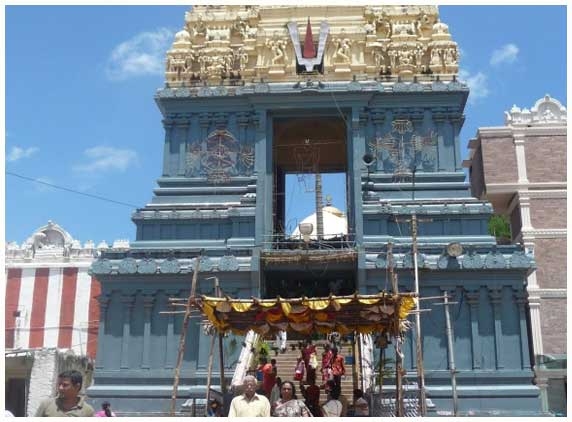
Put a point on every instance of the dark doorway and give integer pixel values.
(15, 396)
(310, 283)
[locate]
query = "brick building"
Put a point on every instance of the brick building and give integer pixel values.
(521, 169)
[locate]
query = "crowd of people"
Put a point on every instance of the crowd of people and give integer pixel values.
(263, 395)
(278, 398)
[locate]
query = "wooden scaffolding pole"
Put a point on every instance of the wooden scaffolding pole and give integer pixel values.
(186, 318)
(218, 293)
(398, 359)
(418, 337)
(209, 372)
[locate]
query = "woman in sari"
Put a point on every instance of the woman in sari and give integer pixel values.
(327, 364)
(288, 405)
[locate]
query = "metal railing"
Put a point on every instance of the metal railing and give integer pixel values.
(327, 242)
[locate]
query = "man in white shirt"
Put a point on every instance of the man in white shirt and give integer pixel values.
(361, 407)
(249, 404)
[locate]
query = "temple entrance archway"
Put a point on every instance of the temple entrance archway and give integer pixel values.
(304, 147)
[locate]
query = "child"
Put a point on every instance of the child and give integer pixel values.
(300, 368)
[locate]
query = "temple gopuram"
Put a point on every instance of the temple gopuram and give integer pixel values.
(253, 94)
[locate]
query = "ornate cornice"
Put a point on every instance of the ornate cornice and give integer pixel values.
(51, 246)
(548, 293)
(469, 261)
(546, 111)
(469, 207)
(547, 194)
(493, 188)
(545, 234)
(171, 265)
(383, 85)
(510, 131)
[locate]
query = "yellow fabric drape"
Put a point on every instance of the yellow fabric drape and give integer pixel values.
(317, 305)
(370, 301)
(286, 308)
(242, 306)
(223, 306)
(407, 304)
(267, 303)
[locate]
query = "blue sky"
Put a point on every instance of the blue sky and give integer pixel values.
(80, 111)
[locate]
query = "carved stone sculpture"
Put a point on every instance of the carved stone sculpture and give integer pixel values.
(342, 53)
(278, 48)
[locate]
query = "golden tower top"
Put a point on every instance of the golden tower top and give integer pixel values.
(221, 44)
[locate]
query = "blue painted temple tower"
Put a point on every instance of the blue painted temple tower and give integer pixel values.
(247, 101)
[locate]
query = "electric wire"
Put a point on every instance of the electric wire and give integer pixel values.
(101, 198)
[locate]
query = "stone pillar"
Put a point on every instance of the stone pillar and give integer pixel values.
(148, 301)
(524, 202)
(536, 327)
(473, 301)
(416, 118)
(127, 301)
(542, 384)
(495, 296)
(456, 122)
(184, 126)
(438, 118)
(519, 140)
(520, 299)
(360, 119)
(43, 377)
(263, 154)
(168, 124)
(377, 117)
(242, 119)
(103, 305)
(170, 340)
(204, 123)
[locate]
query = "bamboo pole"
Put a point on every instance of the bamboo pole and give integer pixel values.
(218, 292)
(398, 360)
(209, 372)
(451, 355)
(186, 318)
(418, 338)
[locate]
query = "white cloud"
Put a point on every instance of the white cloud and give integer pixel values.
(143, 54)
(17, 153)
(102, 159)
(506, 54)
(42, 186)
(478, 84)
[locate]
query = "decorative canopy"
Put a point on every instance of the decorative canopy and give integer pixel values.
(379, 313)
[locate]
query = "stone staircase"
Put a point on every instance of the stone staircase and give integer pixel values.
(286, 365)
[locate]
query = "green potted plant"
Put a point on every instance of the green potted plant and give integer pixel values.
(499, 227)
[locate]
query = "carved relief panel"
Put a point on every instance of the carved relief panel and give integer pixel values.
(404, 148)
(219, 157)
